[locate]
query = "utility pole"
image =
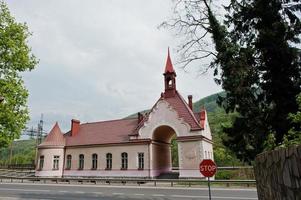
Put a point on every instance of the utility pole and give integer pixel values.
(38, 134)
(39, 138)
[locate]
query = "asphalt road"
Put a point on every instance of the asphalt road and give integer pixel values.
(28, 191)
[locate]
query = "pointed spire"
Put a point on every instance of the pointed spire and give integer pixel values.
(169, 66)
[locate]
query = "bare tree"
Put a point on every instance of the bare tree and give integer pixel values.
(190, 23)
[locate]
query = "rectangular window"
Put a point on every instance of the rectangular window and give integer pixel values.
(41, 164)
(56, 162)
(140, 160)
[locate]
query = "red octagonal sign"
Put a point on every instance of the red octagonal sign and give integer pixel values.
(208, 168)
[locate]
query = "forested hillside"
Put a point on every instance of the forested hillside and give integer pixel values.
(23, 151)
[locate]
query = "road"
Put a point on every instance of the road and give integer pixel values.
(33, 191)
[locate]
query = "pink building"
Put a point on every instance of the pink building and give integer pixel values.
(137, 147)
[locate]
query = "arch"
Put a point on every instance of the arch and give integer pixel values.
(108, 161)
(161, 149)
(163, 133)
(124, 160)
(81, 162)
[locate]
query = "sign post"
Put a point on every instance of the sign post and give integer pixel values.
(208, 169)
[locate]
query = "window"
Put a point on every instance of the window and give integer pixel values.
(41, 164)
(109, 161)
(124, 160)
(68, 164)
(140, 160)
(56, 162)
(81, 161)
(94, 161)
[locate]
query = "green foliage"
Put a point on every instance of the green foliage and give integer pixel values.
(294, 134)
(238, 174)
(174, 152)
(218, 120)
(23, 152)
(270, 143)
(15, 57)
(224, 174)
(208, 102)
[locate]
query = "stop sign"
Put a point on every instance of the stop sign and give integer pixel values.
(208, 168)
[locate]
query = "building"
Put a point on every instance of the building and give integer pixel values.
(136, 147)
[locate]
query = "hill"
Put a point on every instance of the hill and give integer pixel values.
(208, 102)
(23, 152)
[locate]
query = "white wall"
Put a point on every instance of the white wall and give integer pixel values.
(101, 151)
(48, 162)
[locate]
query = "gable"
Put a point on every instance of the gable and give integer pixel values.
(163, 114)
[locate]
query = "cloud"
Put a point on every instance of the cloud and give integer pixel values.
(99, 60)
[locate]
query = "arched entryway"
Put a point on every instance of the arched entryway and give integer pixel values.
(162, 156)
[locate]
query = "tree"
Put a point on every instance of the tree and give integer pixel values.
(256, 60)
(15, 57)
(294, 135)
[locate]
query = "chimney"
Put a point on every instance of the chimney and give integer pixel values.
(74, 127)
(203, 114)
(190, 101)
(203, 117)
(140, 117)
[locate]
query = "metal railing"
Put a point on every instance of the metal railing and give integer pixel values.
(123, 181)
(18, 166)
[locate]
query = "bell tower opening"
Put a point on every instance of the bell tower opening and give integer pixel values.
(165, 151)
(169, 78)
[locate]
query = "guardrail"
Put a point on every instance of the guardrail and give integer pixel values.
(172, 182)
(18, 166)
(235, 167)
(32, 167)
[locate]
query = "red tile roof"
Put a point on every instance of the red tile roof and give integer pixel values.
(106, 132)
(169, 66)
(183, 110)
(54, 138)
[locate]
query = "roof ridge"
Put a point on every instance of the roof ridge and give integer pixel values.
(113, 120)
(189, 110)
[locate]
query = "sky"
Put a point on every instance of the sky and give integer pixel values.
(100, 60)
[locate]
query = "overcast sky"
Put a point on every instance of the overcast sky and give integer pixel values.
(100, 60)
